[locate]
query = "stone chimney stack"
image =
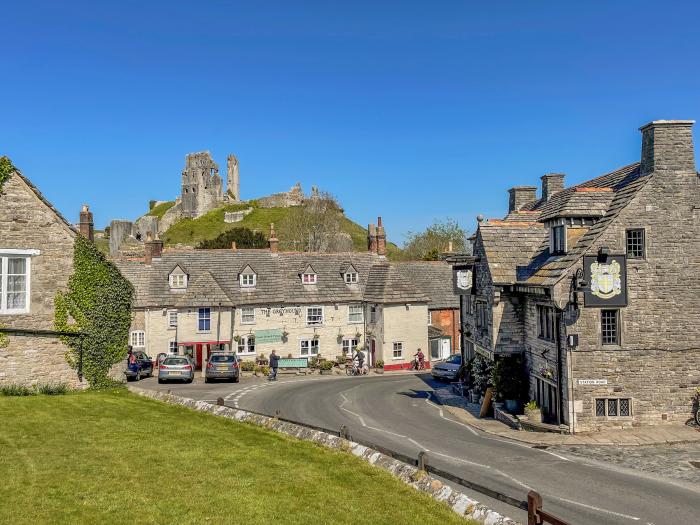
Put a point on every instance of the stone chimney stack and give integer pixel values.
(667, 145)
(153, 248)
(381, 238)
(551, 184)
(86, 226)
(520, 196)
(274, 242)
(372, 238)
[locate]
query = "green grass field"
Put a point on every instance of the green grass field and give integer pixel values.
(113, 457)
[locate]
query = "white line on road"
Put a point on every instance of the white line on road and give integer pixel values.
(427, 400)
(634, 518)
(422, 447)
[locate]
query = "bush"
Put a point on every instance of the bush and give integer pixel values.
(510, 378)
(247, 366)
(243, 237)
(481, 372)
(52, 389)
(326, 365)
(265, 370)
(379, 363)
(313, 362)
(16, 390)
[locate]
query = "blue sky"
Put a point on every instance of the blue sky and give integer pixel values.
(410, 110)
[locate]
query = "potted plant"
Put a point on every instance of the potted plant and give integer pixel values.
(326, 367)
(341, 360)
(285, 336)
(533, 412)
(315, 337)
(247, 367)
(511, 382)
(237, 338)
(358, 335)
(262, 360)
(546, 372)
(379, 366)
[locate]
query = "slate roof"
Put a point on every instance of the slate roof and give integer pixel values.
(213, 279)
(45, 200)
(517, 251)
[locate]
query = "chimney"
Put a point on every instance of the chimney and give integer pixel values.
(667, 145)
(274, 242)
(551, 184)
(233, 246)
(371, 238)
(520, 196)
(86, 226)
(154, 248)
(381, 238)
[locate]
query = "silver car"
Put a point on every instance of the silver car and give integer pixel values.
(447, 369)
(222, 366)
(176, 368)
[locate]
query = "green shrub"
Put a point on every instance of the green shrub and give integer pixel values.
(248, 366)
(313, 362)
(481, 372)
(379, 363)
(16, 390)
(531, 405)
(52, 389)
(265, 370)
(243, 237)
(510, 378)
(326, 365)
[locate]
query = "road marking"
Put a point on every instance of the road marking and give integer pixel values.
(633, 518)
(386, 431)
(461, 460)
(418, 444)
(442, 415)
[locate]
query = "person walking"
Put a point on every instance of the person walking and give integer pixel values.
(274, 364)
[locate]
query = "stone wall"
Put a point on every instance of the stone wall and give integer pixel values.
(293, 197)
(26, 222)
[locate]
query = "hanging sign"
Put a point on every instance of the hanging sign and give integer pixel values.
(463, 279)
(268, 336)
(606, 276)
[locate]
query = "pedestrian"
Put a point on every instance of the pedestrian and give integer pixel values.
(274, 363)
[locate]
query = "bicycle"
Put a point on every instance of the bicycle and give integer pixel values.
(355, 370)
(417, 364)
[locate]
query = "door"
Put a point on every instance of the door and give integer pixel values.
(372, 348)
(198, 354)
(445, 347)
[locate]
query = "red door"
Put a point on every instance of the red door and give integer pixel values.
(198, 357)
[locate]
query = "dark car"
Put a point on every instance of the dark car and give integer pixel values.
(142, 368)
(222, 366)
(447, 369)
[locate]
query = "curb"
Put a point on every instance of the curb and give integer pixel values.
(419, 480)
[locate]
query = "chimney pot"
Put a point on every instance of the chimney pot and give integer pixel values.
(86, 226)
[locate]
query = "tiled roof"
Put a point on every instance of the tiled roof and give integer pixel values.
(580, 202)
(45, 200)
(213, 279)
(434, 278)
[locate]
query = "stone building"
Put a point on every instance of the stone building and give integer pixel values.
(598, 286)
(303, 304)
(36, 259)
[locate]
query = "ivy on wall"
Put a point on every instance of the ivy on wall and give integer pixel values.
(98, 304)
(6, 169)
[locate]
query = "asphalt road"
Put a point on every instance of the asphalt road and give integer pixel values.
(400, 413)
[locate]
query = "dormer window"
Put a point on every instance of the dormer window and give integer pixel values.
(248, 280)
(308, 278)
(178, 279)
(351, 277)
(558, 239)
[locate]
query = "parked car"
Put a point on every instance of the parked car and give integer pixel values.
(142, 368)
(222, 366)
(448, 368)
(176, 368)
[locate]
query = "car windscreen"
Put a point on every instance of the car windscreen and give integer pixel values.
(455, 360)
(223, 359)
(176, 361)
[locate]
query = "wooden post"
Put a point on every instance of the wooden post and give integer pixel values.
(220, 401)
(422, 460)
(486, 405)
(534, 504)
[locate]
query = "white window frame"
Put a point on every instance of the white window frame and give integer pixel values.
(175, 283)
(350, 345)
(201, 318)
(310, 345)
(361, 313)
(373, 314)
(247, 315)
(243, 345)
(318, 323)
(309, 278)
(5, 255)
(136, 337)
(172, 319)
(394, 346)
(248, 280)
(351, 278)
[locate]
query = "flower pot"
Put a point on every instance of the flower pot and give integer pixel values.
(378, 370)
(533, 414)
(326, 372)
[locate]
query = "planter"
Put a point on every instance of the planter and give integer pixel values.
(511, 406)
(326, 372)
(533, 414)
(378, 370)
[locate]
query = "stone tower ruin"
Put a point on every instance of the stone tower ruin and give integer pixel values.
(202, 188)
(233, 181)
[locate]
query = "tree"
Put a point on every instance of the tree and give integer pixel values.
(315, 226)
(436, 239)
(243, 237)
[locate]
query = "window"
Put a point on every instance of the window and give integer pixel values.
(314, 315)
(481, 315)
(397, 351)
(204, 320)
(469, 304)
(351, 277)
(355, 313)
(546, 323)
(372, 314)
(609, 327)
(246, 344)
(178, 280)
(308, 278)
(14, 284)
(559, 239)
(248, 280)
(612, 407)
(308, 347)
(248, 315)
(430, 318)
(138, 339)
(172, 318)
(173, 347)
(349, 345)
(635, 244)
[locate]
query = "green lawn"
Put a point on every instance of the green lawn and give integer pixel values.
(113, 457)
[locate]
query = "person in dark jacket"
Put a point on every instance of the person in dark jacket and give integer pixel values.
(274, 364)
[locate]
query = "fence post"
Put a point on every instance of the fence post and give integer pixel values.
(534, 504)
(422, 460)
(220, 401)
(343, 432)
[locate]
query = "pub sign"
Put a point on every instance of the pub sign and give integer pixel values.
(463, 279)
(606, 276)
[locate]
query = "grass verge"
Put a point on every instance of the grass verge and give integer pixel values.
(113, 457)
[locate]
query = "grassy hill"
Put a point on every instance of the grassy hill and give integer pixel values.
(209, 226)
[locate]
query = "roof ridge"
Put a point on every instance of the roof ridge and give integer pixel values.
(43, 199)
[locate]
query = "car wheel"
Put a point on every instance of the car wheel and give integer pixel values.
(236, 379)
(206, 379)
(160, 381)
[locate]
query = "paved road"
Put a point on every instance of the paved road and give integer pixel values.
(399, 412)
